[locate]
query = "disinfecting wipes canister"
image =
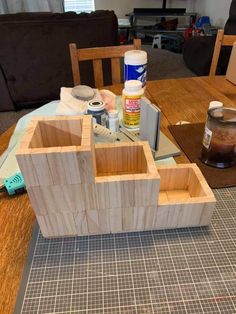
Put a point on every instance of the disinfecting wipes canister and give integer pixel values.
(135, 66)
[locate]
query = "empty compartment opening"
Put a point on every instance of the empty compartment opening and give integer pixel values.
(179, 184)
(54, 133)
(118, 160)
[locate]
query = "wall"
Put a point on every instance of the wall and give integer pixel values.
(123, 7)
(218, 10)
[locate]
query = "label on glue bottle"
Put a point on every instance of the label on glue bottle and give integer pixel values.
(136, 72)
(131, 111)
(207, 137)
(135, 68)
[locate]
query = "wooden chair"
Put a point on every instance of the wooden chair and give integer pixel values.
(221, 40)
(96, 55)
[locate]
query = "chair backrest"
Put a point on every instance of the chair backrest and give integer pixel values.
(96, 55)
(231, 73)
(221, 40)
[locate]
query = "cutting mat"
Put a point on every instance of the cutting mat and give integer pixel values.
(174, 271)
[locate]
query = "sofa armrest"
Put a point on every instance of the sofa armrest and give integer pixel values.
(6, 103)
(197, 54)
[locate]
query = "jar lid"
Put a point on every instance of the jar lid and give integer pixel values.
(223, 115)
(215, 104)
(133, 86)
(135, 57)
(96, 105)
(113, 113)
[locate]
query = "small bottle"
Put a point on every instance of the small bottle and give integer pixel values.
(131, 95)
(113, 120)
(97, 110)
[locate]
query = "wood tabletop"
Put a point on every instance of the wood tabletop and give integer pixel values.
(179, 99)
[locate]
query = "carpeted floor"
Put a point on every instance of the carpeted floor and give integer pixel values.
(162, 64)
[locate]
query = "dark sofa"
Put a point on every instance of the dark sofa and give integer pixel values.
(34, 53)
(198, 51)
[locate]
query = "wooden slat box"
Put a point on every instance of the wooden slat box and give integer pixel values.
(78, 188)
(185, 199)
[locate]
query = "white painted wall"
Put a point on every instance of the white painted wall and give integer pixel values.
(218, 10)
(122, 7)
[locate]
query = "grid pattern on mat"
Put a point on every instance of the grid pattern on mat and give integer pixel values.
(189, 270)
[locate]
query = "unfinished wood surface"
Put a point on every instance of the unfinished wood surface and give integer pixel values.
(183, 215)
(186, 201)
(81, 222)
(16, 230)
(97, 55)
(60, 224)
(221, 40)
(121, 158)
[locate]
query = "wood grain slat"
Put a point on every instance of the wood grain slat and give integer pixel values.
(115, 70)
(74, 63)
(97, 70)
(228, 40)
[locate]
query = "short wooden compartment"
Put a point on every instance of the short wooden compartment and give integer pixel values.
(127, 184)
(185, 198)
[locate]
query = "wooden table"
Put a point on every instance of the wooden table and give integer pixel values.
(179, 99)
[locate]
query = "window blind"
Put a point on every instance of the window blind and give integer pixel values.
(79, 5)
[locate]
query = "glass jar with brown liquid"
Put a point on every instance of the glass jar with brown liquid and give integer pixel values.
(219, 140)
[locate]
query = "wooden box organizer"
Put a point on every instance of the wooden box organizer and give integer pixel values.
(79, 188)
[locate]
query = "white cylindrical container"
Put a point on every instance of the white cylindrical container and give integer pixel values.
(131, 95)
(113, 120)
(135, 66)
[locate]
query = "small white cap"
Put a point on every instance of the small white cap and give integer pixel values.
(135, 57)
(113, 113)
(133, 86)
(215, 104)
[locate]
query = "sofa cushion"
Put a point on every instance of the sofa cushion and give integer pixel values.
(34, 53)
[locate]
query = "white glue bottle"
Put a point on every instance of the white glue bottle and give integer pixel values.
(135, 66)
(131, 96)
(113, 120)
